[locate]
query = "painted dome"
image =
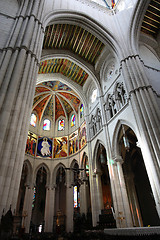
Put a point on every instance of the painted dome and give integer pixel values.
(54, 99)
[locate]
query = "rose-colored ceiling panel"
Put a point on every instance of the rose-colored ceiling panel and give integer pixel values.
(40, 107)
(58, 109)
(41, 89)
(49, 110)
(67, 106)
(73, 99)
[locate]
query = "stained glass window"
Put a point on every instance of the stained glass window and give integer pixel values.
(61, 125)
(78, 199)
(34, 196)
(94, 95)
(46, 124)
(33, 120)
(73, 120)
(75, 197)
(110, 4)
(87, 168)
(81, 111)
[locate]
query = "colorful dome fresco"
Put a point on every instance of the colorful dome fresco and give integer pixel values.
(54, 99)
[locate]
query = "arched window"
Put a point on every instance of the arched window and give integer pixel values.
(73, 120)
(81, 111)
(33, 120)
(94, 95)
(46, 124)
(76, 187)
(61, 125)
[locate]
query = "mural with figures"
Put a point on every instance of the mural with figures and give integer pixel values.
(73, 143)
(60, 147)
(57, 147)
(31, 144)
(82, 135)
(44, 148)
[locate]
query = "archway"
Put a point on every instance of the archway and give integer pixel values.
(106, 218)
(60, 201)
(38, 202)
(141, 201)
(22, 189)
(85, 192)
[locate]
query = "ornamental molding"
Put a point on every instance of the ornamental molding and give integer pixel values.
(96, 5)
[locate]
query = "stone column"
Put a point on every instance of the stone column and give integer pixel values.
(123, 213)
(69, 203)
(27, 207)
(18, 70)
(91, 174)
(83, 197)
(132, 195)
(97, 196)
(147, 116)
(49, 208)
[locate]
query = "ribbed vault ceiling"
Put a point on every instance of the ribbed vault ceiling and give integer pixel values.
(151, 21)
(54, 99)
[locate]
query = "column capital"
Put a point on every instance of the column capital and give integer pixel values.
(28, 186)
(54, 186)
(118, 159)
(96, 171)
(69, 185)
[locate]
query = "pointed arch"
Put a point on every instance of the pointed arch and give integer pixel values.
(95, 152)
(81, 19)
(83, 159)
(73, 163)
(54, 174)
(30, 171)
(89, 24)
(136, 23)
(47, 171)
(115, 147)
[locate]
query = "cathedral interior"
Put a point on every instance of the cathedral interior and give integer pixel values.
(80, 116)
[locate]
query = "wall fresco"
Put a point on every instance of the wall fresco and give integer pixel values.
(73, 143)
(31, 144)
(60, 147)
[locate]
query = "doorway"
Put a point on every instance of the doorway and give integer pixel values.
(141, 200)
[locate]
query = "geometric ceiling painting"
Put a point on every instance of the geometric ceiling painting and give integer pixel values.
(54, 99)
(151, 20)
(74, 38)
(66, 68)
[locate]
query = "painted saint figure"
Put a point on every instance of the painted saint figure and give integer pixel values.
(45, 148)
